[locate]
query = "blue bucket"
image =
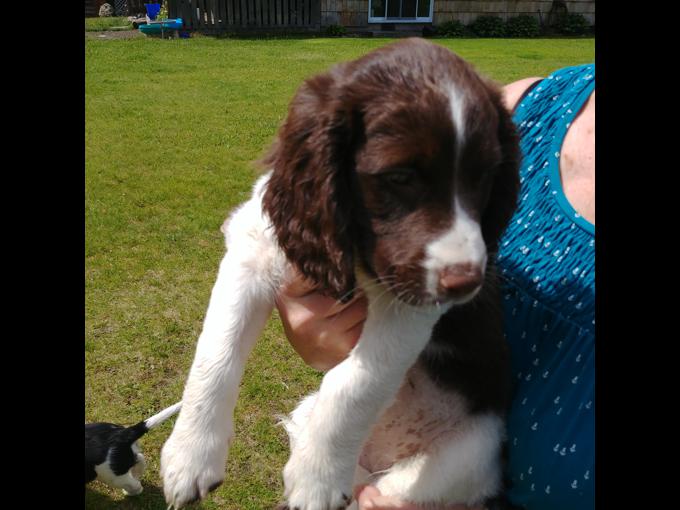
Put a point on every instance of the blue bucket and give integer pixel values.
(152, 10)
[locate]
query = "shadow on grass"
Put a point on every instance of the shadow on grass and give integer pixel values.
(96, 498)
(257, 35)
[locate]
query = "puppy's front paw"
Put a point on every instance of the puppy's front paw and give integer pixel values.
(191, 467)
(311, 485)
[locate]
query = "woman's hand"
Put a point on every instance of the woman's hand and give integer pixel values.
(369, 498)
(322, 330)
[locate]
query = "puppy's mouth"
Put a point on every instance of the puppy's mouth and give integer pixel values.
(456, 299)
(409, 293)
(456, 285)
(415, 294)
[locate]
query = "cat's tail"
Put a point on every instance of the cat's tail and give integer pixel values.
(131, 434)
(159, 418)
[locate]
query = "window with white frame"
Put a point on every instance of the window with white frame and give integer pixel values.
(400, 11)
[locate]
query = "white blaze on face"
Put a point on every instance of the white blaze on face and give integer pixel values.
(462, 243)
(458, 104)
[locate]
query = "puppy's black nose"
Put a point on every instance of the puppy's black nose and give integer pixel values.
(460, 279)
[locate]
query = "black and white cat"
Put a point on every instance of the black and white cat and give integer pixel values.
(112, 454)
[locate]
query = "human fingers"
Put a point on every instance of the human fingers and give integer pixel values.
(369, 498)
(295, 285)
(298, 293)
(322, 342)
(349, 316)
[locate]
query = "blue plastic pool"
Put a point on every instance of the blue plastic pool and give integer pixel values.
(158, 27)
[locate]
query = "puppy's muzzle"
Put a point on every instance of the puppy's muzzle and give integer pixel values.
(459, 281)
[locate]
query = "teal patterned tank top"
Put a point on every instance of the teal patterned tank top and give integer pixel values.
(547, 259)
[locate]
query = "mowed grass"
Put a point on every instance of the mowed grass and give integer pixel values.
(107, 23)
(172, 128)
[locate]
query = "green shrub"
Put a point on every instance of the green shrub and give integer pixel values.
(573, 24)
(453, 28)
(488, 26)
(336, 31)
(163, 13)
(522, 26)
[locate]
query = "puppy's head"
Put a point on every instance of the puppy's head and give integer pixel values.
(404, 161)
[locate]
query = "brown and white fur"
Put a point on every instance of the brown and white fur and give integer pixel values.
(395, 173)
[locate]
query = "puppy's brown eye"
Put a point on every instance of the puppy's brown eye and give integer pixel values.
(401, 177)
(494, 170)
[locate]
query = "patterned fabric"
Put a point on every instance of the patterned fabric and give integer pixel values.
(547, 259)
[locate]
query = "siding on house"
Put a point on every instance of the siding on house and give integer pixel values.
(354, 13)
(467, 11)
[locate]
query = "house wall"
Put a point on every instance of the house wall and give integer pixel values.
(467, 11)
(354, 13)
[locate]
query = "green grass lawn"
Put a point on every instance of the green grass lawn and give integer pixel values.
(107, 23)
(172, 128)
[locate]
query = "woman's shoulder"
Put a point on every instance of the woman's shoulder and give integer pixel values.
(513, 92)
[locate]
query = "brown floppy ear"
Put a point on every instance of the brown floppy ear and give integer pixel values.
(309, 196)
(505, 189)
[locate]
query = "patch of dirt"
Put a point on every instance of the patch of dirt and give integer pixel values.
(114, 34)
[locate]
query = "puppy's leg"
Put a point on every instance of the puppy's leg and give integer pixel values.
(130, 485)
(319, 473)
(463, 468)
(193, 458)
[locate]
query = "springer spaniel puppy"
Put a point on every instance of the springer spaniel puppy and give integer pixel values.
(395, 173)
